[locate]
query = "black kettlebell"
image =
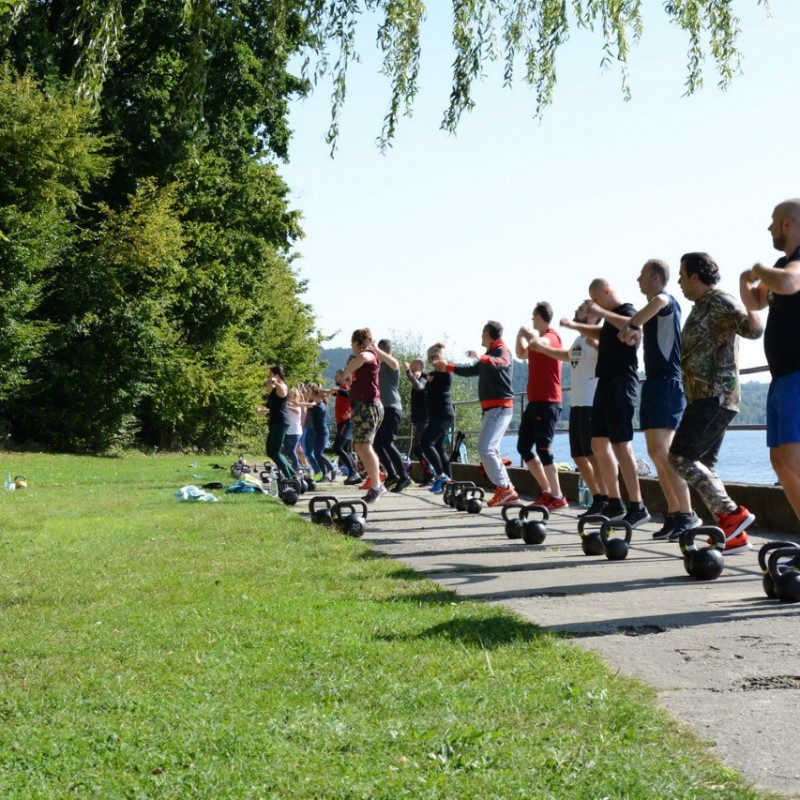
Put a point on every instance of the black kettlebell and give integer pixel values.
(513, 526)
(320, 509)
(311, 484)
(347, 518)
(289, 491)
(534, 531)
(592, 542)
(475, 497)
(447, 493)
(704, 563)
(786, 576)
(767, 583)
(616, 548)
(461, 495)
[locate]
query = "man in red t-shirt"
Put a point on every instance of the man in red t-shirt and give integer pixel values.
(538, 424)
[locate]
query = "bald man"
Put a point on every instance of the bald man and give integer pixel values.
(614, 401)
(779, 288)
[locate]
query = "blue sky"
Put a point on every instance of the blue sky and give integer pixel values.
(443, 232)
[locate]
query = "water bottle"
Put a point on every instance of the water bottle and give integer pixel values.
(10, 485)
(584, 495)
(273, 483)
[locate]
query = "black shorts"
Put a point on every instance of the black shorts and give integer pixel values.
(537, 426)
(580, 432)
(612, 412)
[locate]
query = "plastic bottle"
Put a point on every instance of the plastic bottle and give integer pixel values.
(584, 495)
(10, 485)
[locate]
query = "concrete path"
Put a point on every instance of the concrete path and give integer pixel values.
(723, 658)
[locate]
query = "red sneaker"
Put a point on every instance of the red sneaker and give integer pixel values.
(503, 495)
(733, 525)
(368, 483)
(551, 503)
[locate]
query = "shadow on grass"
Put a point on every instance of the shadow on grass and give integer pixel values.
(484, 634)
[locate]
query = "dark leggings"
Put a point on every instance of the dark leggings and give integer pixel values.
(432, 445)
(387, 451)
(341, 444)
(275, 437)
(320, 443)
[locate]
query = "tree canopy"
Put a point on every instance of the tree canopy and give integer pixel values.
(525, 35)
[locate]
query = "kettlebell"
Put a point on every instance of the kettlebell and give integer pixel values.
(592, 543)
(475, 496)
(320, 509)
(461, 496)
(447, 493)
(767, 583)
(705, 563)
(534, 531)
(352, 523)
(616, 548)
(786, 577)
(311, 484)
(513, 526)
(289, 491)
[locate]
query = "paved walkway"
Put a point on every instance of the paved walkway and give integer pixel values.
(723, 657)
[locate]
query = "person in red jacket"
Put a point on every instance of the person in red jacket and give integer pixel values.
(496, 396)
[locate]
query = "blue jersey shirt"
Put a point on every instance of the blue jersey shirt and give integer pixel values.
(662, 342)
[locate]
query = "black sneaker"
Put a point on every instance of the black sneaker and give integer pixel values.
(353, 480)
(598, 506)
(402, 484)
(615, 508)
(373, 494)
(670, 521)
(390, 482)
(636, 516)
(684, 522)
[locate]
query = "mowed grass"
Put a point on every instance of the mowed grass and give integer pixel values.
(152, 648)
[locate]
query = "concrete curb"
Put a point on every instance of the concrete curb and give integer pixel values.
(721, 655)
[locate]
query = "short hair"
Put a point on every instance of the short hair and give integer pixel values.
(385, 345)
(494, 329)
(362, 337)
(435, 350)
(545, 311)
(277, 369)
(702, 265)
(660, 268)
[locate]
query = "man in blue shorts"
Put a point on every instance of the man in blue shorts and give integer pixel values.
(658, 326)
(779, 288)
(614, 402)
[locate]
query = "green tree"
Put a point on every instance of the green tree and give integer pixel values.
(48, 160)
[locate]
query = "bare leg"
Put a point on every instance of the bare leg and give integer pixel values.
(786, 463)
(369, 459)
(627, 465)
(675, 488)
(608, 465)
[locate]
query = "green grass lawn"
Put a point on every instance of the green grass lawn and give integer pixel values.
(152, 648)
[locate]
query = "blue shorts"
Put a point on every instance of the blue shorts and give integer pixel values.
(783, 410)
(662, 404)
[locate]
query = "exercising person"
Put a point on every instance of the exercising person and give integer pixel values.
(710, 367)
(658, 327)
(538, 425)
(441, 416)
(397, 477)
(496, 396)
(367, 409)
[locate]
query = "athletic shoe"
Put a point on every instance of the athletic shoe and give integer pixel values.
(541, 500)
(636, 516)
(368, 483)
(352, 480)
(402, 484)
(389, 482)
(373, 495)
(552, 503)
(438, 484)
(598, 506)
(332, 476)
(733, 526)
(615, 508)
(684, 522)
(670, 521)
(502, 496)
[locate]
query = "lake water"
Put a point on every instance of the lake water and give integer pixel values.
(743, 458)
